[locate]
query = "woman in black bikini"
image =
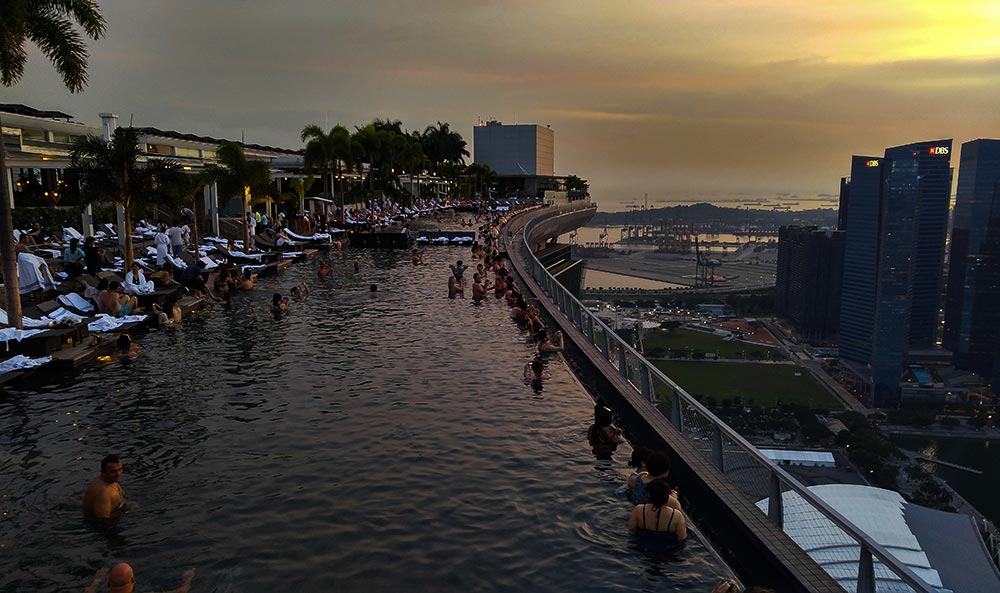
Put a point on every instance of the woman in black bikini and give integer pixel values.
(659, 528)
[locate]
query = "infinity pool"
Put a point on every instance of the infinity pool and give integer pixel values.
(359, 444)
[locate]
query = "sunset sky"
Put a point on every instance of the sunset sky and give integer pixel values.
(680, 99)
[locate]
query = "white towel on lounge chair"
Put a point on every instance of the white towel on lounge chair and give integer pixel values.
(76, 301)
(25, 321)
(106, 323)
(10, 333)
(33, 273)
(208, 262)
(21, 361)
(71, 233)
(176, 262)
(63, 316)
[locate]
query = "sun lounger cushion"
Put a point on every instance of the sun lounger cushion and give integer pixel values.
(25, 321)
(9, 333)
(22, 362)
(107, 323)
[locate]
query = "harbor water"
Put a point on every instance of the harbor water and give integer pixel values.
(361, 443)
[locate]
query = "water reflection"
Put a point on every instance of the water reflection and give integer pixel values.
(356, 445)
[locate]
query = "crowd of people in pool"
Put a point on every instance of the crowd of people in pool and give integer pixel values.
(657, 518)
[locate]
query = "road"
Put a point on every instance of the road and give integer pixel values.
(792, 351)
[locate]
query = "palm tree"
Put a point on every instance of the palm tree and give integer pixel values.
(241, 176)
(329, 153)
(111, 172)
(481, 176)
(443, 145)
(49, 25)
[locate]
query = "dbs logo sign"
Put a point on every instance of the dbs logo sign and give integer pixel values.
(872, 163)
(937, 150)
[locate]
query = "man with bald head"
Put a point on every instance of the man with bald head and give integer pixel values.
(121, 579)
(105, 495)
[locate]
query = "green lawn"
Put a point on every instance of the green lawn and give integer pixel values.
(763, 385)
(658, 342)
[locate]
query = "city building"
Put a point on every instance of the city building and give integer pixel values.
(515, 150)
(523, 156)
(896, 216)
(972, 307)
(810, 266)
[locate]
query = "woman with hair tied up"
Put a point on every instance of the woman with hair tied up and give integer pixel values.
(659, 528)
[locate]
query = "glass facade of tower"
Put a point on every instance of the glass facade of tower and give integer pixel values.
(863, 209)
(920, 179)
(972, 310)
(896, 218)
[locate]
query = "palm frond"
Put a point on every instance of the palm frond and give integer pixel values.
(60, 42)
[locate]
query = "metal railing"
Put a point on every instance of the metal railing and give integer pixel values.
(756, 476)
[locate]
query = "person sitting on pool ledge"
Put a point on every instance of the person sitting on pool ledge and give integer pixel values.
(121, 579)
(105, 495)
(553, 344)
(658, 532)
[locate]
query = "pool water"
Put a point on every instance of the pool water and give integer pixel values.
(358, 444)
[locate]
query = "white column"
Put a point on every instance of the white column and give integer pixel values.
(122, 230)
(87, 221)
(212, 193)
(10, 185)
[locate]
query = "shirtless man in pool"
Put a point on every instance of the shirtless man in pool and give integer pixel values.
(105, 495)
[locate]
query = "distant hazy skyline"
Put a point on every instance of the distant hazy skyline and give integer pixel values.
(681, 99)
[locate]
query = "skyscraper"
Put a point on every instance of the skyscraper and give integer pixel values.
(972, 309)
(896, 219)
(810, 266)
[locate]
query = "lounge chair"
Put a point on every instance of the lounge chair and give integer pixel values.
(25, 321)
(33, 274)
(76, 302)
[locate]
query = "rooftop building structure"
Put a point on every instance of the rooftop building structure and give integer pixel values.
(515, 150)
(810, 266)
(972, 314)
(896, 215)
(944, 549)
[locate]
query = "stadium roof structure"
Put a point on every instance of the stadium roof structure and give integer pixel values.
(944, 549)
(793, 456)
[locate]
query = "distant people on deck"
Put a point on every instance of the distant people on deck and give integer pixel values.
(73, 259)
(162, 242)
(136, 283)
(93, 256)
(176, 236)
